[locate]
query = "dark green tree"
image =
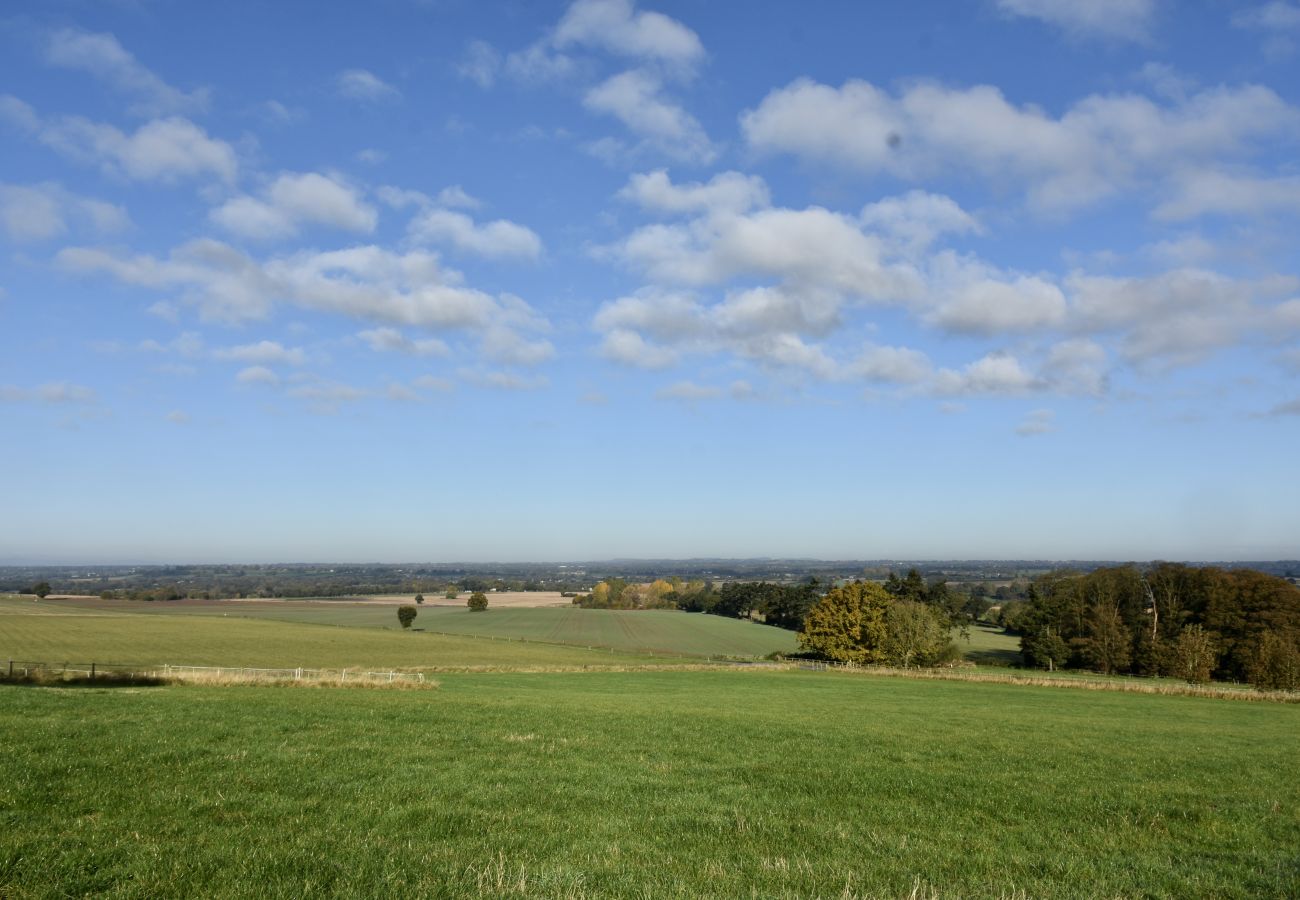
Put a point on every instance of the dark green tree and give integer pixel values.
(419, 598)
(41, 589)
(478, 601)
(406, 615)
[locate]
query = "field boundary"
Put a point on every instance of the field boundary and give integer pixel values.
(17, 670)
(1174, 690)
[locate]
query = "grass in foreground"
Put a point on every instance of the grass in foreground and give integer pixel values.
(701, 784)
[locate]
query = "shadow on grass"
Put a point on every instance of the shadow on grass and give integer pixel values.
(104, 680)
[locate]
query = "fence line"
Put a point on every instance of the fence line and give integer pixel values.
(92, 670)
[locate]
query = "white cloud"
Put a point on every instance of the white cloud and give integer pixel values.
(1174, 318)
(502, 381)
(102, 56)
(50, 393)
(974, 298)
(1038, 421)
(1202, 192)
(178, 417)
(688, 392)
(480, 63)
(725, 192)
(166, 150)
(635, 98)
(456, 196)
(257, 375)
(996, 373)
(617, 27)
(390, 340)
(507, 346)
(263, 352)
(1076, 366)
(293, 200)
(917, 219)
(361, 84)
(1098, 147)
(892, 365)
(499, 239)
(46, 210)
(630, 349)
(366, 282)
(1115, 19)
(1275, 16)
(537, 64)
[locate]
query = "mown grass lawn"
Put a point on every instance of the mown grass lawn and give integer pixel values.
(648, 784)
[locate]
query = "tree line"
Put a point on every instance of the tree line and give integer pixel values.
(1196, 623)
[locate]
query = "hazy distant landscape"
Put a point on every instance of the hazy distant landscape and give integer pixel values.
(589, 449)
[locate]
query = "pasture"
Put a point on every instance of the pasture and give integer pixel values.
(661, 632)
(657, 783)
(79, 635)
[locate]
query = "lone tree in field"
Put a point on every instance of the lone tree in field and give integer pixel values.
(406, 615)
(419, 598)
(478, 601)
(41, 589)
(452, 593)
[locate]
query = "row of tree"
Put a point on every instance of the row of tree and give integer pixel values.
(1196, 623)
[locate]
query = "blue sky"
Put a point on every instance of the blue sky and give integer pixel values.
(454, 280)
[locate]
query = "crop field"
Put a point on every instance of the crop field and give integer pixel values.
(663, 632)
(655, 783)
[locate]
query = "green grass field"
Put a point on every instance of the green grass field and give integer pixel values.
(663, 632)
(119, 638)
(650, 784)
(986, 645)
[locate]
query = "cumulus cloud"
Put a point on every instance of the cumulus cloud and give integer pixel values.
(616, 26)
(1114, 19)
(167, 150)
(498, 239)
(637, 100)
(892, 365)
(996, 373)
(630, 349)
(1275, 16)
(1038, 421)
(688, 392)
(498, 380)
(42, 211)
(293, 200)
(263, 352)
(391, 340)
(725, 192)
(917, 219)
(1200, 192)
(363, 85)
(480, 63)
(257, 375)
(365, 282)
(51, 393)
(1177, 317)
(975, 298)
(102, 56)
(1101, 145)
